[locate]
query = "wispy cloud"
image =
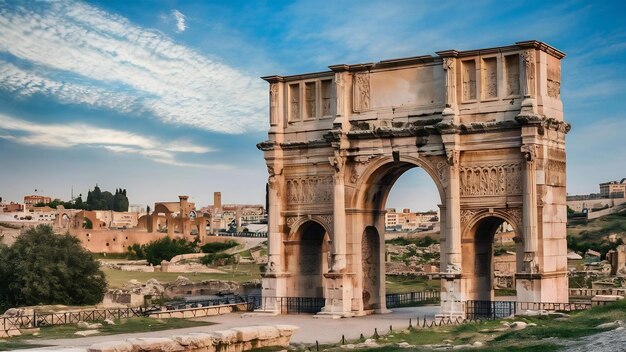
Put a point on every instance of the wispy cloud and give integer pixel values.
(76, 135)
(181, 25)
(83, 54)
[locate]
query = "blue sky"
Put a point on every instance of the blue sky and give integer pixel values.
(163, 97)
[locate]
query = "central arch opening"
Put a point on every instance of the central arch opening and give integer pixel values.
(399, 239)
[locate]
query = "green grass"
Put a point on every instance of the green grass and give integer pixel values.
(600, 227)
(532, 338)
(132, 325)
(9, 345)
(245, 272)
(399, 284)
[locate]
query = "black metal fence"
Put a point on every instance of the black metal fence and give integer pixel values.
(44, 319)
(287, 305)
(408, 299)
(502, 309)
(489, 309)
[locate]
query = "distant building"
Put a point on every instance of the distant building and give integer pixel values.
(613, 189)
(410, 221)
(11, 207)
(31, 200)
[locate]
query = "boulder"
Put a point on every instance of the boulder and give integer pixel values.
(518, 325)
(87, 332)
(83, 325)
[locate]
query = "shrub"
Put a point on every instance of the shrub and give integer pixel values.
(217, 259)
(218, 246)
(42, 267)
(166, 248)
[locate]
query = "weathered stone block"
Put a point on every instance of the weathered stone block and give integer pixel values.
(155, 344)
(196, 340)
(112, 346)
(286, 330)
(247, 333)
(267, 332)
(224, 336)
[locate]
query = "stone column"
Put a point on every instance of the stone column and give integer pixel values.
(452, 297)
(338, 282)
(339, 223)
(453, 211)
(274, 262)
(530, 209)
(274, 278)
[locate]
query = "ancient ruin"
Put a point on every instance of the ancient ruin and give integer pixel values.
(487, 125)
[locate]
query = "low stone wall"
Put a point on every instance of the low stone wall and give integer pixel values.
(231, 340)
(591, 292)
(200, 311)
(128, 299)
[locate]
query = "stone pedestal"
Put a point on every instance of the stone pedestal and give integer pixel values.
(338, 296)
(274, 286)
(546, 288)
(452, 297)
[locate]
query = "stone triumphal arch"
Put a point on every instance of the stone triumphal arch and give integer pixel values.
(486, 125)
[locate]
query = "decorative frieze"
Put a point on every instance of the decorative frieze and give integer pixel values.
(466, 216)
(310, 190)
(491, 180)
(516, 215)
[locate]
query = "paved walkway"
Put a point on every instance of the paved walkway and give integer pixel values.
(311, 328)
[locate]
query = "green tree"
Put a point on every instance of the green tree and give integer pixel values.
(42, 267)
(167, 248)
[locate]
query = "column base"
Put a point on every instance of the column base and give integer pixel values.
(338, 295)
(331, 315)
(544, 287)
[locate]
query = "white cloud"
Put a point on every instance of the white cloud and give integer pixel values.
(71, 44)
(181, 25)
(73, 135)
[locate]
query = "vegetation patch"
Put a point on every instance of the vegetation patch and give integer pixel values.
(123, 326)
(42, 267)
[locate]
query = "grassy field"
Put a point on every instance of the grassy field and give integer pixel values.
(244, 272)
(399, 284)
(532, 338)
(598, 228)
(124, 326)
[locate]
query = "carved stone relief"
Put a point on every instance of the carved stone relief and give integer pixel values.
(273, 103)
(528, 58)
(309, 190)
(339, 84)
(492, 180)
(555, 172)
(361, 92)
(466, 216)
(327, 220)
(449, 66)
(516, 214)
(291, 220)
